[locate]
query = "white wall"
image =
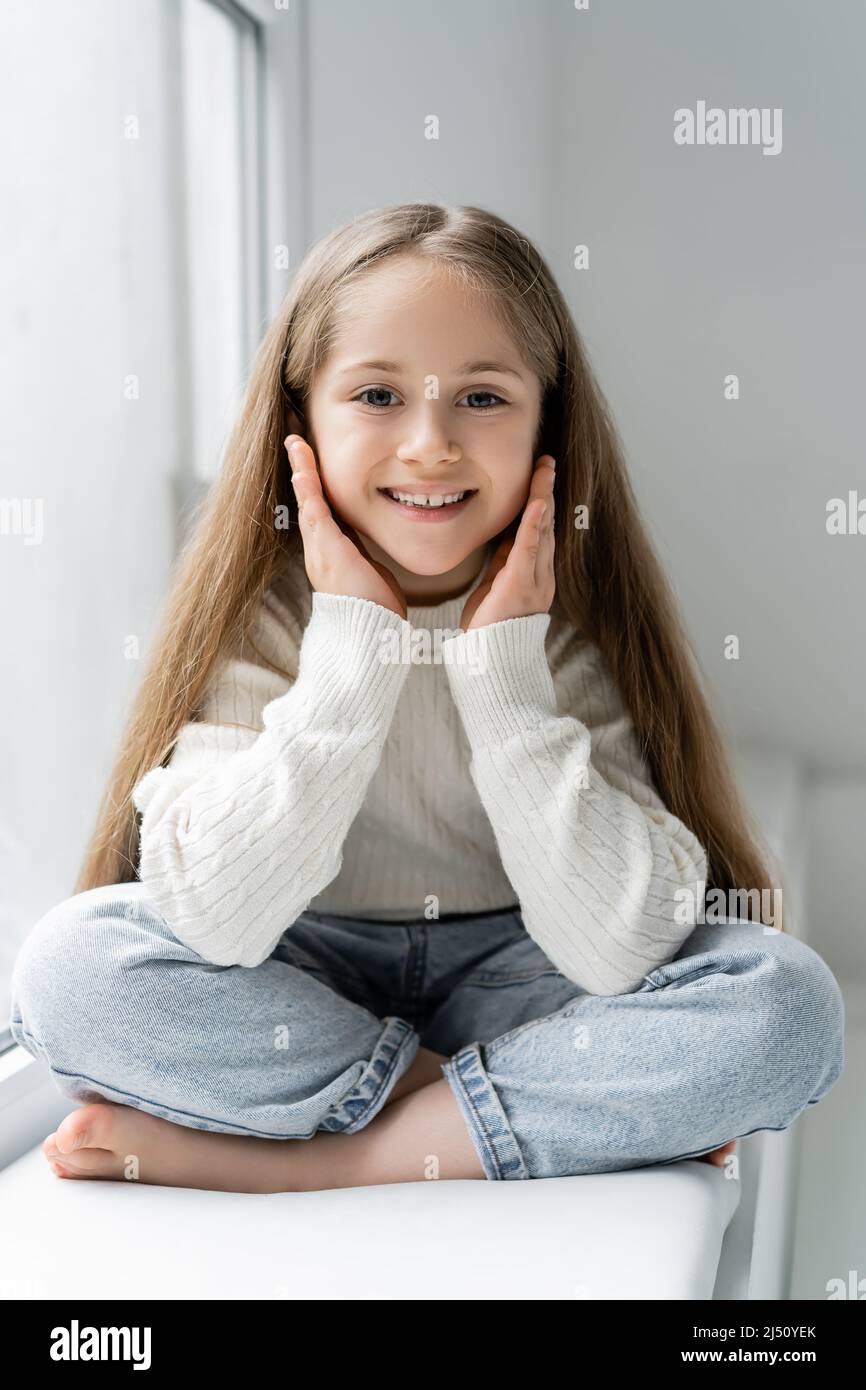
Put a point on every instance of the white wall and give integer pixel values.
(87, 291)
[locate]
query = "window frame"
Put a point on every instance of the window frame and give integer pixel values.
(276, 183)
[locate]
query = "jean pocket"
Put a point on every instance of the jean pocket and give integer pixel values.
(496, 978)
(516, 961)
(291, 953)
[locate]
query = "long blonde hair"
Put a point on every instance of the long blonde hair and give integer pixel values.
(610, 587)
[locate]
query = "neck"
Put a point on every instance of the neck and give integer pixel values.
(426, 590)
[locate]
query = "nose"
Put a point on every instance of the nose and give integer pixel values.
(426, 441)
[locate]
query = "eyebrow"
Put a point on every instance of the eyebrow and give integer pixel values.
(469, 368)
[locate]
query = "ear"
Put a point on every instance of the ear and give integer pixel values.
(295, 421)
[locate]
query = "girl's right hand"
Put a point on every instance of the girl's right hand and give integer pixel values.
(335, 563)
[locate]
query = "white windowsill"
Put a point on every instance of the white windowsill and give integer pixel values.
(30, 1104)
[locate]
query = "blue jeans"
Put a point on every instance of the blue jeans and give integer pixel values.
(739, 1032)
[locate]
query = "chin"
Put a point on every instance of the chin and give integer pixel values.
(427, 560)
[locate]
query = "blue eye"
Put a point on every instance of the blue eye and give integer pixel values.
(386, 391)
(373, 390)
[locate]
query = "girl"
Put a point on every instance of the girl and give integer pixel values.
(407, 846)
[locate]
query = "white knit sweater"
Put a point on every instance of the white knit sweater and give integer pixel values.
(501, 771)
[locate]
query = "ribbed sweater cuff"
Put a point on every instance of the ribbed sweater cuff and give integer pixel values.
(343, 670)
(500, 678)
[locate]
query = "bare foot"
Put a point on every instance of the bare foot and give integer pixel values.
(108, 1141)
(717, 1156)
(103, 1140)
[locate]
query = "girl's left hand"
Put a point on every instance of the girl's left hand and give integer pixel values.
(520, 578)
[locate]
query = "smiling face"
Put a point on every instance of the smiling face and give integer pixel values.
(425, 394)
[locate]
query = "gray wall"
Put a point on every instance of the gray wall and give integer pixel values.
(703, 261)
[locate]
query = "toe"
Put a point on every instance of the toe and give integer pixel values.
(88, 1163)
(88, 1127)
(72, 1132)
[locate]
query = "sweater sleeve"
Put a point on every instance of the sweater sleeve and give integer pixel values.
(593, 855)
(246, 823)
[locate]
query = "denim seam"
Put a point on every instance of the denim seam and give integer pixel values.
(496, 1143)
(222, 1126)
(473, 1122)
(415, 966)
(697, 966)
(492, 977)
(760, 1129)
(397, 1046)
(382, 1049)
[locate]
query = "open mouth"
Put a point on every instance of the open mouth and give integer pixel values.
(420, 502)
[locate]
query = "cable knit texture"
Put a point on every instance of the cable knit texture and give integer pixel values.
(396, 770)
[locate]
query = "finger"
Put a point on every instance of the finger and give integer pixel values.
(305, 473)
(313, 510)
(541, 483)
(523, 559)
(544, 568)
(521, 562)
(541, 488)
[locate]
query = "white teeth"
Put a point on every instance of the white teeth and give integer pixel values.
(415, 499)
